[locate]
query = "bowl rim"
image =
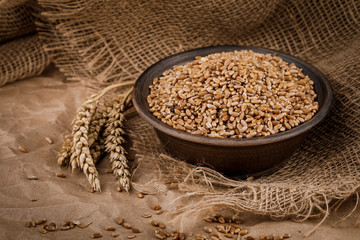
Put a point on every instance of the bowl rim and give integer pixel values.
(229, 142)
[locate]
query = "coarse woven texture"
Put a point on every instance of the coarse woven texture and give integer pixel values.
(21, 58)
(104, 41)
(16, 18)
(100, 42)
(21, 52)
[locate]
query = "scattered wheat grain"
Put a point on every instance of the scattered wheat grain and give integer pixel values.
(154, 223)
(97, 235)
(22, 149)
(126, 225)
(250, 238)
(42, 230)
(32, 178)
(155, 207)
(28, 224)
(120, 221)
(286, 235)
(135, 230)
(243, 232)
(48, 140)
(146, 215)
(109, 228)
(60, 175)
(41, 221)
(158, 212)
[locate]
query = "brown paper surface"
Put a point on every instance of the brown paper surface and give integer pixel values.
(44, 106)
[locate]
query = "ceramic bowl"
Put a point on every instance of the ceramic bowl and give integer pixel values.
(254, 156)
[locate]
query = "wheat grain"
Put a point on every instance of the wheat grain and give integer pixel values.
(213, 95)
(286, 235)
(243, 232)
(28, 224)
(109, 228)
(42, 229)
(120, 221)
(250, 238)
(32, 178)
(156, 207)
(51, 227)
(135, 230)
(64, 228)
(97, 235)
(126, 225)
(22, 149)
(154, 223)
(60, 175)
(48, 140)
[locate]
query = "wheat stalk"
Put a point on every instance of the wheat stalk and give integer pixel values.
(81, 156)
(84, 147)
(76, 147)
(114, 132)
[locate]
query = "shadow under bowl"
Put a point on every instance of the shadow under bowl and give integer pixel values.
(254, 156)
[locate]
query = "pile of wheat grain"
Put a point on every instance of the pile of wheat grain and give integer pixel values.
(233, 94)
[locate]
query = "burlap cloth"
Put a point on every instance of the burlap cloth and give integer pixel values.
(100, 42)
(21, 52)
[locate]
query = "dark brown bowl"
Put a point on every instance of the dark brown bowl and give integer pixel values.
(254, 156)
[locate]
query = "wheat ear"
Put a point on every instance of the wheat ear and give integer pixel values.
(83, 148)
(63, 157)
(97, 150)
(81, 156)
(114, 132)
(96, 143)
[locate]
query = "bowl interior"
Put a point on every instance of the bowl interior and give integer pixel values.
(141, 91)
